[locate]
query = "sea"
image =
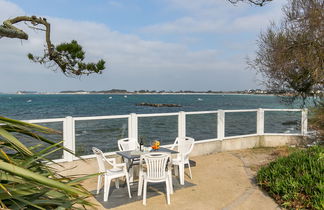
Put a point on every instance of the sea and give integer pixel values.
(105, 133)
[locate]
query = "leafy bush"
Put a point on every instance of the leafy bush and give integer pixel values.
(296, 181)
(26, 181)
(316, 121)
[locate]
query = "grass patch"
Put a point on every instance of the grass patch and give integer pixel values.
(296, 181)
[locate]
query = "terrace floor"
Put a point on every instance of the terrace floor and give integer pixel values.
(220, 181)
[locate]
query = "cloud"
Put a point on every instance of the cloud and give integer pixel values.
(210, 16)
(186, 25)
(202, 7)
(133, 62)
(115, 3)
(9, 10)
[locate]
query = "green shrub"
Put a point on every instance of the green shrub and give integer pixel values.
(316, 121)
(296, 181)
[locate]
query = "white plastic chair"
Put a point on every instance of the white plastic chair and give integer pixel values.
(158, 169)
(185, 146)
(127, 144)
(117, 170)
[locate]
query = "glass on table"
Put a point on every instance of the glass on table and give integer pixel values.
(146, 149)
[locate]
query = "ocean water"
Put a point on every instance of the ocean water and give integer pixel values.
(105, 133)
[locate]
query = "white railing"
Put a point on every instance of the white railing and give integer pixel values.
(69, 125)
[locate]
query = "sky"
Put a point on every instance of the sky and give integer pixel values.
(147, 44)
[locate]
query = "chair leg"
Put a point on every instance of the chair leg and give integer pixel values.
(99, 183)
(127, 181)
(117, 183)
(168, 190)
(144, 193)
(106, 188)
(140, 185)
(181, 173)
(170, 181)
(176, 170)
(189, 170)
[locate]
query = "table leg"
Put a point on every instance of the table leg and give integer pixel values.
(131, 175)
(129, 165)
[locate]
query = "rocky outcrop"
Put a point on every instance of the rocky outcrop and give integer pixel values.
(158, 105)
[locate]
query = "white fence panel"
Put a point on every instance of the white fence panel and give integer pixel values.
(69, 124)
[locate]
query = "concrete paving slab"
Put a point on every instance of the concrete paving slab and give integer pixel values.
(220, 181)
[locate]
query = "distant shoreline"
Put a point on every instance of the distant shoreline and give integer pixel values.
(135, 93)
(157, 92)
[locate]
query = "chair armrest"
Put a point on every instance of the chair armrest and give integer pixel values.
(120, 165)
(111, 160)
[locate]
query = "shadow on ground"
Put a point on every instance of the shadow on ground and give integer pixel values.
(118, 197)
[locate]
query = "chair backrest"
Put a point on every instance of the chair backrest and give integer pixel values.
(101, 159)
(185, 146)
(156, 163)
(175, 144)
(127, 144)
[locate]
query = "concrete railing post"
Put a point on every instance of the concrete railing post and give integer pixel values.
(133, 126)
(182, 124)
(220, 124)
(260, 121)
(68, 138)
(304, 122)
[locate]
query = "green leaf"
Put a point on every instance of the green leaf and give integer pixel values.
(17, 123)
(27, 174)
(25, 202)
(15, 142)
(5, 189)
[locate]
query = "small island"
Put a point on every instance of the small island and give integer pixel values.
(158, 105)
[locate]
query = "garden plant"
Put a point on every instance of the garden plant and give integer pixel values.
(296, 181)
(27, 181)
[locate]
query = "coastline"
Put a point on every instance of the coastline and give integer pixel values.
(150, 93)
